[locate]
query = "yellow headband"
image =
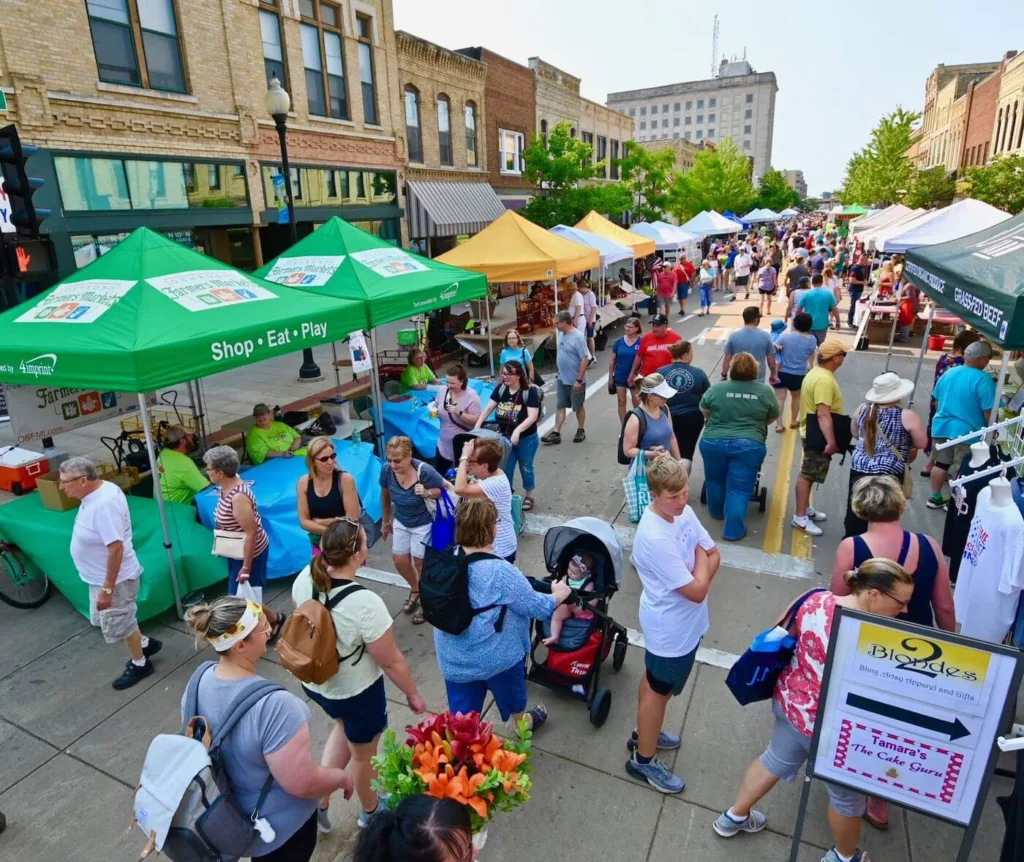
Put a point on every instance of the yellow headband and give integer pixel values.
(245, 626)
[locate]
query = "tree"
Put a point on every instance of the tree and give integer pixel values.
(881, 173)
(719, 180)
(774, 193)
(1000, 183)
(647, 177)
(930, 188)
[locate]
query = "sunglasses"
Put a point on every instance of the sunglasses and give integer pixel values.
(323, 459)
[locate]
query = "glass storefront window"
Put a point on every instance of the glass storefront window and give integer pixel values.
(95, 185)
(88, 247)
(334, 187)
(156, 185)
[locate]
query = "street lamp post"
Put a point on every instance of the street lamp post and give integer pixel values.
(278, 104)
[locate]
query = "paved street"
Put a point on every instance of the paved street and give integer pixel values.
(73, 747)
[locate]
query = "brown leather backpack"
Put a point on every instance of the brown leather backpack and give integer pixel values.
(308, 648)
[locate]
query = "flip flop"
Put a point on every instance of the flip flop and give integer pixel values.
(527, 504)
(779, 430)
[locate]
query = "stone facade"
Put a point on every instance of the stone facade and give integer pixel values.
(607, 131)
(1009, 129)
(557, 94)
(983, 97)
(685, 151)
(943, 123)
(795, 180)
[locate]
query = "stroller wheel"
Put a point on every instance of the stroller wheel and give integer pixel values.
(600, 706)
(762, 502)
(619, 654)
(704, 493)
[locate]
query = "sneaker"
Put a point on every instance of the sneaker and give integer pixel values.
(656, 774)
(152, 648)
(937, 501)
(323, 822)
(833, 856)
(133, 674)
(551, 437)
(807, 525)
(727, 827)
(580, 436)
(666, 741)
(366, 816)
(815, 515)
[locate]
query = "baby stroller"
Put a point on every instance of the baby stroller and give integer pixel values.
(573, 664)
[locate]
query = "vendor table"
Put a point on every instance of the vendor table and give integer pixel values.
(44, 536)
(410, 416)
(273, 485)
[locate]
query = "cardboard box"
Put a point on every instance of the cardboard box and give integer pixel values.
(52, 494)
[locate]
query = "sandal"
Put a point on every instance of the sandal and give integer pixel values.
(275, 631)
(538, 715)
(527, 504)
(417, 618)
(411, 603)
(779, 429)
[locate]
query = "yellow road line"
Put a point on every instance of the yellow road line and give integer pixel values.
(772, 543)
(801, 546)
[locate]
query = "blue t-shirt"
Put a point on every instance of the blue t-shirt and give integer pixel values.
(818, 302)
(572, 350)
(690, 384)
(794, 349)
(521, 355)
(965, 396)
(624, 356)
(756, 342)
(408, 509)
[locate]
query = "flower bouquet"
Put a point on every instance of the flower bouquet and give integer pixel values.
(456, 756)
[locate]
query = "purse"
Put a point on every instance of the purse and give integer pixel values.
(229, 544)
(429, 502)
(815, 440)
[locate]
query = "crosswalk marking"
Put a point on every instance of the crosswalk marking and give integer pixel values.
(700, 339)
(724, 337)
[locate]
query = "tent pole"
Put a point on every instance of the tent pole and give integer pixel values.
(490, 343)
(378, 409)
(337, 374)
(924, 347)
(994, 415)
(159, 497)
(892, 335)
(196, 415)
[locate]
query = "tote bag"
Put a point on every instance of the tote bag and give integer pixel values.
(638, 494)
(442, 529)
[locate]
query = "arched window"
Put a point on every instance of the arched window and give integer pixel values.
(413, 136)
(444, 129)
(1013, 127)
(544, 131)
(999, 126)
(472, 159)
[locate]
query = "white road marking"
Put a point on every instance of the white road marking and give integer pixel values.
(391, 579)
(597, 386)
(700, 339)
(724, 337)
(705, 655)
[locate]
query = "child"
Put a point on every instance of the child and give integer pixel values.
(579, 577)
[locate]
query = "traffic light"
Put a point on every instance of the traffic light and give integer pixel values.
(17, 186)
(31, 259)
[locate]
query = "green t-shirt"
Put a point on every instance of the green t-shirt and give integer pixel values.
(413, 376)
(180, 478)
(740, 410)
(277, 438)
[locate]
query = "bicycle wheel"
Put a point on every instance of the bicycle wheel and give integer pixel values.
(21, 587)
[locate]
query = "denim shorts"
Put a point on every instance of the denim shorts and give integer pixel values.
(364, 715)
(790, 381)
(669, 675)
(570, 396)
(508, 688)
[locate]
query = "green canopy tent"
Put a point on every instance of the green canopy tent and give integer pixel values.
(341, 260)
(151, 313)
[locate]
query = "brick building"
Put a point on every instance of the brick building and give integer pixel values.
(943, 123)
(607, 131)
(153, 114)
(982, 99)
(1009, 129)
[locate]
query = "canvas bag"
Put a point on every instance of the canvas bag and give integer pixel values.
(641, 416)
(638, 494)
(184, 802)
(308, 648)
(442, 530)
(444, 590)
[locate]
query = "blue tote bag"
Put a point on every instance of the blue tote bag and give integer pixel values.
(442, 530)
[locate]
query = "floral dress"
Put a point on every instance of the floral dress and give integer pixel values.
(799, 687)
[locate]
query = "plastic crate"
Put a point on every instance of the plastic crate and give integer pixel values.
(407, 337)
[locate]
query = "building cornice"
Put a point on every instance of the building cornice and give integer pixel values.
(420, 50)
(695, 86)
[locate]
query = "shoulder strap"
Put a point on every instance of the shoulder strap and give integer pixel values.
(242, 703)
(905, 548)
(465, 560)
(641, 416)
(795, 609)
(861, 551)
(346, 591)
(192, 694)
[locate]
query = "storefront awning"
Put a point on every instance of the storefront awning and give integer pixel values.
(450, 208)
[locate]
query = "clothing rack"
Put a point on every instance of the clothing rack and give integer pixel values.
(981, 432)
(991, 471)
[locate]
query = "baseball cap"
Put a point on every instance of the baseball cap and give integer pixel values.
(659, 320)
(978, 350)
(830, 350)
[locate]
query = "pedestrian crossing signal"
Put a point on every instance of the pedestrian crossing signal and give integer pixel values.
(18, 186)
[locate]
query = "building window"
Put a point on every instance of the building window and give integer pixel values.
(664, 108)
(711, 118)
(213, 177)
(587, 137)
(746, 145)
(320, 187)
(321, 41)
(688, 121)
(136, 43)
(544, 131)
(444, 130)
(364, 35)
(615, 160)
(273, 47)
(712, 103)
(675, 121)
(750, 98)
(748, 114)
(711, 133)
(689, 105)
(632, 112)
(675, 134)
(643, 125)
(664, 123)
(510, 151)
(602, 153)
(413, 136)
(654, 109)
(746, 130)
(686, 136)
(675, 106)
(984, 159)
(643, 112)
(700, 134)
(700, 119)
(1013, 125)
(700, 104)
(471, 152)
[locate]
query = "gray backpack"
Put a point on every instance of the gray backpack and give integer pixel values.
(184, 802)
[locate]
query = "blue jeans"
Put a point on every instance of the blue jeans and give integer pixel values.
(730, 470)
(855, 291)
(508, 688)
(523, 455)
(705, 295)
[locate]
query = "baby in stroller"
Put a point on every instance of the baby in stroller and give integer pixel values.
(578, 574)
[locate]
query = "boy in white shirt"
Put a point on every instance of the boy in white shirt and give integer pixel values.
(676, 559)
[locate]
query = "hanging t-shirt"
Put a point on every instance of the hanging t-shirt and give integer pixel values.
(990, 583)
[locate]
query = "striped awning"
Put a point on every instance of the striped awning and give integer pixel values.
(438, 208)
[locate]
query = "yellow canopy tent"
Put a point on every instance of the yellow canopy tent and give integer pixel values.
(597, 223)
(513, 249)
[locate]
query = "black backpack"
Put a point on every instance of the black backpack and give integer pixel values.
(623, 457)
(444, 590)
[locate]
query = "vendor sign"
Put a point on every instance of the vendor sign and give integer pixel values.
(79, 302)
(305, 271)
(201, 290)
(388, 262)
(43, 411)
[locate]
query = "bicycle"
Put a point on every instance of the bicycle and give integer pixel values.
(20, 587)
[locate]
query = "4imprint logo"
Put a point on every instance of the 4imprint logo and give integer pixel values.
(40, 366)
(450, 292)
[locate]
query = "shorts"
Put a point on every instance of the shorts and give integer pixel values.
(687, 428)
(819, 335)
(119, 620)
(257, 571)
(814, 466)
(946, 458)
(786, 753)
(507, 687)
(569, 396)
(409, 540)
(590, 330)
(742, 280)
(683, 290)
(364, 715)
(669, 675)
(792, 382)
(767, 291)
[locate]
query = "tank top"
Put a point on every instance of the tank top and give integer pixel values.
(659, 431)
(885, 460)
(224, 517)
(919, 610)
(331, 506)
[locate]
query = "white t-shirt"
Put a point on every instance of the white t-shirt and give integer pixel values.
(499, 492)
(103, 519)
(743, 263)
(990, 581)
(664, 555)
(577, 308)
(360, 618)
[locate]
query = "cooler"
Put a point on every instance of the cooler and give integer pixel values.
(19, 469)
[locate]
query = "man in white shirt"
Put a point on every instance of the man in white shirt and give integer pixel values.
(676, 559)
(581, 316)
(743, 264)
(101, 548)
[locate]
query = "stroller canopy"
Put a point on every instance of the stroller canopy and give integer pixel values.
(557, 539)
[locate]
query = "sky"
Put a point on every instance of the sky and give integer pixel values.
(839, 66)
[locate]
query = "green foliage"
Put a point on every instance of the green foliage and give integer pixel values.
(881, 173)
(930, 188)
(719, 180)
(1000, 184)
(395, 776)
(774, 193)
(547, 210)
(647, 177)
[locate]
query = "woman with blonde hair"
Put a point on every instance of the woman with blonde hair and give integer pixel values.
(832, 281)
(648, 428)
(326, 492)
(514, 349)
(354, 698)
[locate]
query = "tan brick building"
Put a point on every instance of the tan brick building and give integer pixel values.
(685, 151)
(982, 100)
(153, 114)
(1009, 129)
(607, 131)
(943, 124)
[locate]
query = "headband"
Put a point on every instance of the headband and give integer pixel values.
(245, 626)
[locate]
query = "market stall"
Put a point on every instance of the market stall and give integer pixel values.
(597, 223)
(873, 236)
(789, 212)
(756, 216)
(710, 223)
(943, 225)
(611, 252)
(883, 217)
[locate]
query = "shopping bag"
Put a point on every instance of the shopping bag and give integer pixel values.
(442, 530)
(248, 591)
(518, 515)
(638, 494)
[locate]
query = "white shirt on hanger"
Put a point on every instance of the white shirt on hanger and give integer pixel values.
(991, 578)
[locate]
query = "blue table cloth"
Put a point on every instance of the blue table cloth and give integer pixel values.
(479, 385)
(273, 485)
(410, 417)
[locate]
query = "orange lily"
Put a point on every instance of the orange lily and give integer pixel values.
(460, 787)
(483, 755)
(506, 761)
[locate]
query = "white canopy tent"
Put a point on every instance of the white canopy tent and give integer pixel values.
(663, 239)
(886, 216)
(676, 231)
(610, 251)
(960, 219)
(709, 223)
(760, 215)
(873, 237)
(789, 212)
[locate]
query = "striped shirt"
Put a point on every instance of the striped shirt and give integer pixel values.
(224, 518)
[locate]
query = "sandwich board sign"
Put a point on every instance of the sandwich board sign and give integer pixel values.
(911, 714)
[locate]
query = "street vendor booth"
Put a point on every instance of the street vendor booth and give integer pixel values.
(597, 223)
(611, 252)
(957, 220)
(711, 223)
(147, 315)
(883, 217)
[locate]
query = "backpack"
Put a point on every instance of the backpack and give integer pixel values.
(184, 801)
(623, 457)
(444, 590)
(308, 648)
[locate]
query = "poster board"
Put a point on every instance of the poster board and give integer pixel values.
(43, 411)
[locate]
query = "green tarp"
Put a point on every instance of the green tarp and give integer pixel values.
(853, 210)
(979, 278)
(340, 260)
(45, 538)
(151, 313)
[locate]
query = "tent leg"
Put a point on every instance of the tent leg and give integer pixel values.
(197, 415)
(994, 415)
(159, 497)
(892, 336)
(554, 284)
(924, 347)
(337, 373)
(378, 409)
(490, 342)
